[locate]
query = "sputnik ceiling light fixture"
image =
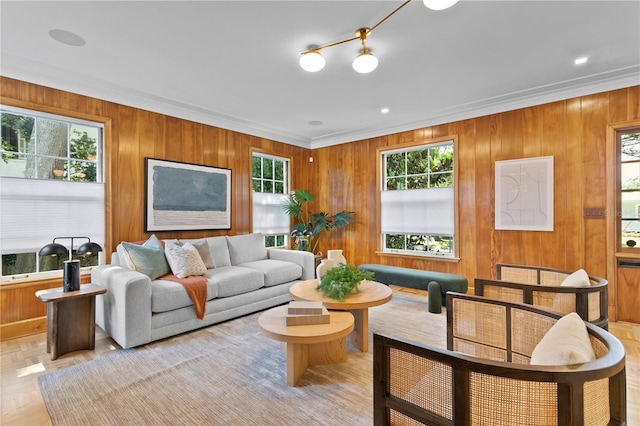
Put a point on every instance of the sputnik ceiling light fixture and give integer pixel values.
(313, 61)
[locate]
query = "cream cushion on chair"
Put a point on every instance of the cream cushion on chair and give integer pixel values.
(567, 342)
(579, 278)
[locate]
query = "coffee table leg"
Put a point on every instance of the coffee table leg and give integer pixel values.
(359, 337)
(297, 362)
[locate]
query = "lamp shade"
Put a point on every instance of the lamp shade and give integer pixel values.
(365, 62)
(88, 248)
(439, 4)
(53, 249)
(312, 61)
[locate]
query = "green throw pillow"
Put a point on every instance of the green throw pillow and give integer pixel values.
(147, 258)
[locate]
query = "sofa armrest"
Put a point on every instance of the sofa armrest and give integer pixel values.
(124, 311)
(300, 257)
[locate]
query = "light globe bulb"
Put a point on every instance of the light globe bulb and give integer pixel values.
(365, 62)
(312, 61)
(439, 4)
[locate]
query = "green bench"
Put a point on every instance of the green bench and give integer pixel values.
(437, 284)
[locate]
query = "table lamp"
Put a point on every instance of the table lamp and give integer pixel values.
(71, 272)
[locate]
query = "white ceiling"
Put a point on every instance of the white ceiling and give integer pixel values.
(234, 64)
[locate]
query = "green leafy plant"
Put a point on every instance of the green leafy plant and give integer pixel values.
(310, 225)
(339, 281)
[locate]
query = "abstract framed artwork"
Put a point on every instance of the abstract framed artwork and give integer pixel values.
(524, 194)
(186, 197)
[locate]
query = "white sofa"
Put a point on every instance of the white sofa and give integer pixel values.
(247, 278)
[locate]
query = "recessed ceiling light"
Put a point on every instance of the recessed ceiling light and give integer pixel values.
(315, 123)
(580, 61)
(67, 37)
(384, 110)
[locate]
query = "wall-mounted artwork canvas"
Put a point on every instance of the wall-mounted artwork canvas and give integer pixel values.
(186, 197)
(524, 194)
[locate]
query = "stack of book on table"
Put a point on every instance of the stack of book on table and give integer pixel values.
(306, 313)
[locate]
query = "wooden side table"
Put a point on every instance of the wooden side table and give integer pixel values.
(71, 318)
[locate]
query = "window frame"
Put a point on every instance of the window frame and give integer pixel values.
(381, 172)
(286, 183)
(619, 218)
(70, 118)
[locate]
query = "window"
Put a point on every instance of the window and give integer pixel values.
(629, 195)
(417, 200)
(50, 186)
(269, 180)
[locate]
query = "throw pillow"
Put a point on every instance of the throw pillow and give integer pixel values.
(579, 278)
(147, 258)
(184, 261)
(566, 343)
(205, 253)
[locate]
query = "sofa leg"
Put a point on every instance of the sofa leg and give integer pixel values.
(434, 297)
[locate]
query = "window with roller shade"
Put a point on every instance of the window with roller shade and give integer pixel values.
(50, 186)
(417, 200)
(269, 180)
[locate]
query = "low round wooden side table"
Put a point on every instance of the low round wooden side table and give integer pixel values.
(71, 318)
(306, 345)
(371, 294)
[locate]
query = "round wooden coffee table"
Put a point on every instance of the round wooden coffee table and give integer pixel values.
(306, 345)
(371, 294)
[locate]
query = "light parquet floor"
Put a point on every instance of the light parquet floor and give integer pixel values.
(23, 359)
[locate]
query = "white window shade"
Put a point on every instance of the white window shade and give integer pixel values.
(418, 211)
(268, 215)
(33, 212)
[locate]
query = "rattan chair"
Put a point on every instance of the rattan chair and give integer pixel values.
(484, 377)
(541, 287)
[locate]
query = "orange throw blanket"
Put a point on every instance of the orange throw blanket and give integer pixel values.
(196, 288)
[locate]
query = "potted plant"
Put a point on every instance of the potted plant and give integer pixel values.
(310, 225)
(340, 281)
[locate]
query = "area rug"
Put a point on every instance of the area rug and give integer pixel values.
(227, 374)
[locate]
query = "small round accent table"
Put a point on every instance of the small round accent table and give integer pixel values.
(306, 345)
(371, 294)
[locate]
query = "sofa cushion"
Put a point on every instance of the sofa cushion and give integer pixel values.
(579, 278)
(232, 280)
(567, 342)
(184, 260)
(147, 258)
(169, 295)
(246, 248)
(275, 271)
(219, 251)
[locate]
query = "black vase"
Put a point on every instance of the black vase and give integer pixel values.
(71, 276)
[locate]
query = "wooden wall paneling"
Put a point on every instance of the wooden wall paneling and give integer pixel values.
(30, 93)
(495, 143)
(483, 187)
(129, 190)
(467, 172)
(531, 128)
(552, 249)
(512, 242)
(595, 115)
(10, 89)
(633, 104)
(574, 226)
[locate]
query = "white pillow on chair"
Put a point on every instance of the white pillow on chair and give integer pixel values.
(567, 342)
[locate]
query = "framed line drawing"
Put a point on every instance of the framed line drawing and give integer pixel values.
(524, 194)
(186, 197)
